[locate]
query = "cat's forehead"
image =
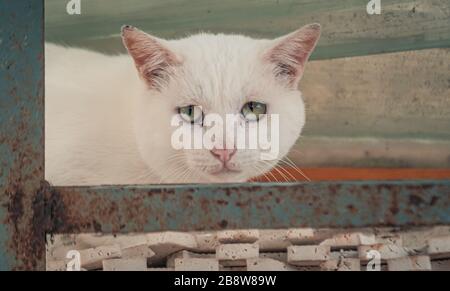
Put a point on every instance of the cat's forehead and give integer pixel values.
(219, 70)
(205, 45)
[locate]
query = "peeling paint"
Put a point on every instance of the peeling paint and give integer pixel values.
(121, 209)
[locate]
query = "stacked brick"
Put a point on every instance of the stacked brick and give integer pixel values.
(256, 250)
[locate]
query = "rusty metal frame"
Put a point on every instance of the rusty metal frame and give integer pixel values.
(30, 208)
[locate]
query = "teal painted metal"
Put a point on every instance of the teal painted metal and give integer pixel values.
(21, 132)
(201, 207)
(29, 207)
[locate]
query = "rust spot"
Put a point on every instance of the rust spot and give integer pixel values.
(222, 202)
(434, 200)
(243, 204)
(15, 206)
(416, 200)
(394, 205)
(223, 223)
(204, 204)
(352, 209)
(97, 226)
(29, 227)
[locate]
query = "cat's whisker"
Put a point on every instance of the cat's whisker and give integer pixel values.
(282, 169)
(261, 172)
(277, 170)
(182, 176)
(178, 174)
(173, 173)
(296, 168)
(186, 176)
(175, 158)
(281, 161)
(287, 172)
(270, 171)
(143, 176)
(271, 174)
(281, 173)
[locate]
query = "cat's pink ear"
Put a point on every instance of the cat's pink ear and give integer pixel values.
(152, 58)
(290, 53)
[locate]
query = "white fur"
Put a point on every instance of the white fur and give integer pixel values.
(104, 126)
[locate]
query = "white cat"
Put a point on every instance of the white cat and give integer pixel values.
(108, 117)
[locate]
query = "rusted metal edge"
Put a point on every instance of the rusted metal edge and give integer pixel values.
(29, 207)
(121, 209)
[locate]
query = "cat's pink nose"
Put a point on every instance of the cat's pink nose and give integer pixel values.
(223, 155)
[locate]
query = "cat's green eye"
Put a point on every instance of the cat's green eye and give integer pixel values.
(253, 111)
(191, 113)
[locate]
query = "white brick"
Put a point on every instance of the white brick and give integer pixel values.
(92, 258)
(418, 239)
(234, 252)
(439, 247)
(307, 255)
(273, 240)
(238, 236)
(137, 251)
(265, 264)
(166, 243)
(90, 240)
(196, 264)
(348, 264)
(56, 266)
(206, 242)
(300, 235)
(391, 240)
(232, 269)
(170, 263)
(58, 246)
(346, 240)
(330, 265)
(343, 264)
(440, 265)
(416, 263)
(160, 269)
(234, 263)
(387, 251)
(136, 264)
(275, 256)
(235, 255)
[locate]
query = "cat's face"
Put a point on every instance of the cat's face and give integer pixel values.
(190, 79)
